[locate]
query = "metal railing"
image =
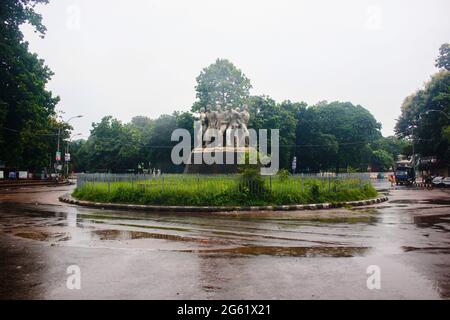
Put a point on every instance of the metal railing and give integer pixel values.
(329, 182)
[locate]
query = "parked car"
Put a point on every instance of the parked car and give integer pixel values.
(446, 182)
(438, 181)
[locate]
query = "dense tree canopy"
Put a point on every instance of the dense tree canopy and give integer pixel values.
(265, 113)
(423, 119)
(143, 143)
(221, 84)
(336, 135)
(327, 136)
(28, 124)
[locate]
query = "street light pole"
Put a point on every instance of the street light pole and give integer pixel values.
(67, 152)
(59, 137)
(413, 150)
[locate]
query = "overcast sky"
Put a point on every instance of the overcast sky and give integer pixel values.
(141, 57)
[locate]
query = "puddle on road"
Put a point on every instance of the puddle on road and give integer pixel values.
(308, 252)
(348, 220)
(42, 236)
(132, 235)
(438, 222)
(421, 201)
(436, 250)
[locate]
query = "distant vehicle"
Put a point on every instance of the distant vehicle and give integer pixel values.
(446, 182)
(405, 175)
(438, 181)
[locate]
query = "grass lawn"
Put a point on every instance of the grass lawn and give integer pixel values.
(225, 190)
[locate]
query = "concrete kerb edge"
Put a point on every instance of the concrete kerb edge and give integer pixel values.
(67, 198)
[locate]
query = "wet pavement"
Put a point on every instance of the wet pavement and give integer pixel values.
(321, 254)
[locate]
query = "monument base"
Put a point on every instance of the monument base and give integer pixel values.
(222, 153)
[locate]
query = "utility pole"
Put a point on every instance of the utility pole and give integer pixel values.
(67, 160)
(67, 156)
(58, 152)
(413, 150)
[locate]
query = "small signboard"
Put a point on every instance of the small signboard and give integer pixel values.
(67, 157)
(23, 174)
(2, 175)
(58, 156)
(294, 163)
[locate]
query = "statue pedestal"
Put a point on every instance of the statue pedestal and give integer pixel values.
(217, 153)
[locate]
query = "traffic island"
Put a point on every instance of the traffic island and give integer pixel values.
(67, 198)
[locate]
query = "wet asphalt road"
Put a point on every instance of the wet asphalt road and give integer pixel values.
(273, 255)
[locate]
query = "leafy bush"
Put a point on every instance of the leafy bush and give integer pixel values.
(283, 175)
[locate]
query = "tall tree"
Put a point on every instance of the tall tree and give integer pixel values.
(222, 84)
(342, 130)
(423, 119)
(27, 110)
(265, 113)
(113, 146)
(443, 61)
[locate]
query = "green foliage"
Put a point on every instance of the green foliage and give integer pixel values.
(429, 127)
(221, 83)
(315, 191)
(265, 113)
(443, 61)
(235, 190)
(393, 145)
(335, 135)
(324, 137)
(27, 110)
(283, 175)
(446, 133)
(381, 160)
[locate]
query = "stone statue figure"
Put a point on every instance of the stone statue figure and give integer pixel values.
(212, 117)
(203, 119)
(221, 119)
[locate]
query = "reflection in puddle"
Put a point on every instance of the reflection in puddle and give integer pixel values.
(437, 222)
(288, 251)
(349, 220)
(427, 249)
(132, 235)
(42, 236)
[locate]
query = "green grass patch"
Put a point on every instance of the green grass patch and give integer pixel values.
(230, 190)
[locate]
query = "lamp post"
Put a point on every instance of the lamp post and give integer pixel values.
(67, 160)
(58, 152)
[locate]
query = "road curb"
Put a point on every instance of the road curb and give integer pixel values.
(67, 198)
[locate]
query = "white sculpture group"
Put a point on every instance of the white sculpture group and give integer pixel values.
(222, 120)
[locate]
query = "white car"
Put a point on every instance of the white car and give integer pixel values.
(437, 181)
(446, 182)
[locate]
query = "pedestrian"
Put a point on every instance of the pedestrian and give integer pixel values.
(392, 180)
